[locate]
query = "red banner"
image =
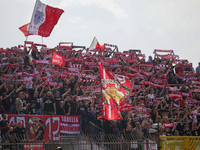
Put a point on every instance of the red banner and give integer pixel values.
(70, 124)
(53, 125)
(58, 59)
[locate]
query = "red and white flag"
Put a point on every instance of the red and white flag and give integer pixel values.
(95, 45)
(116, 89)
(43, 20)
(58, 59)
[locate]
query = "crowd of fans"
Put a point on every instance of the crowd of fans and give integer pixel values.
(165, 88)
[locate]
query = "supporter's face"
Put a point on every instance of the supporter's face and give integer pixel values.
(19, 124)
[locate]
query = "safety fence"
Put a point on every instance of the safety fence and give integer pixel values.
(180, 143)
(81, 142)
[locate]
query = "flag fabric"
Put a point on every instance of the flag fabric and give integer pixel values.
(116, 89)
(43, 20)
(95, 45)
(24, 29)
(58, 59)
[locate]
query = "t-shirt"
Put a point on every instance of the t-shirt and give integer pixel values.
(48, 104)
(2, 125)
(58, 99)
(32, 110)
(146, 133)
(20, 132)
(73, 108)
(81, 111)
(20, 104)
(42, 134)
(67, 106)
(195, 133)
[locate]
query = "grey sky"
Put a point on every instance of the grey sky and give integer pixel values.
(138, 24)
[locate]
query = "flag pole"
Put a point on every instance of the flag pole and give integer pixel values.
(30, 22)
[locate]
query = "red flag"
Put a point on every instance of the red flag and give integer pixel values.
(116, 90)
(58, 59)
(43, 20)
(95, 45)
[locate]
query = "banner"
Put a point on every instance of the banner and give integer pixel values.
(70, 124)
(53, 125)
(58, 59)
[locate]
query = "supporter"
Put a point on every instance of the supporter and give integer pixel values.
(49, 106)
(39, 134)
(32, 108)
(198, 69)
(92, 120)
(19, 103)
(67, 105)
(137, 131)
(145, 132)
(82, 111)
(4, 127)
(20, 135)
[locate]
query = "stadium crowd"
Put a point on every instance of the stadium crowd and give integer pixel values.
(166, 89)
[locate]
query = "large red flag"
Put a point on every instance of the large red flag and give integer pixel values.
(43, 20)
(116, 90)
(58, 59)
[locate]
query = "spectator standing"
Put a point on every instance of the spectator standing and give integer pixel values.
(39, 135)
(4, 127)
(49, 106)
(145, 132)
(92, 120)
(20, 134)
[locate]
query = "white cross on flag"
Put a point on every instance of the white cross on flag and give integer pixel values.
(43, 20)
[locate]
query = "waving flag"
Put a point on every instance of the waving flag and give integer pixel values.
(95, 45)
(58, 59)
(116, 90)
(43, 20)
(24, 29)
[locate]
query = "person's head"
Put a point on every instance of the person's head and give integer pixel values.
(147, 125)
(193, 108)
(113, 123)
(40, 122)
(3, 116)
(92, 110)
(194, 126)
(10, 87)
(49, 94)
(57, 94)
(148, 110)
(46, 88)
(175, 111)
(19, 124)
(176, 133)
(137, 124)
(167, 129)
(36, 93)
(150, 57)
(33, 103)
(59, 148)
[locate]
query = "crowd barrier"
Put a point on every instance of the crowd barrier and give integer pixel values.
(80, 142)
(180, 143)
